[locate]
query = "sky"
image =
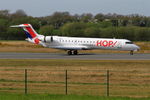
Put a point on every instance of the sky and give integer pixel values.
(39, 8)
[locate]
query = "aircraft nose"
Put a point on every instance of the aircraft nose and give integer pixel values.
(137, 48)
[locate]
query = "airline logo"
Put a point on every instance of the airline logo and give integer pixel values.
(30, 33)
(37, 41)
(106, 43)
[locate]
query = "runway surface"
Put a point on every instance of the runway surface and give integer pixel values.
(80, 56)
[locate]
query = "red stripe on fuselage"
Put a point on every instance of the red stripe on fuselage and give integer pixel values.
(31, 32)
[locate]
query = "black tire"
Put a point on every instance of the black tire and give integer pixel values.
(75, 52)
(69, 52)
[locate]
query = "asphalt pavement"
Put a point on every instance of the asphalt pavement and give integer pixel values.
(87, 56)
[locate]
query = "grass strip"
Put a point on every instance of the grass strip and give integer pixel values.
(7, 96)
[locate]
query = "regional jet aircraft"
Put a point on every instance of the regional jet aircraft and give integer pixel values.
(73, 44)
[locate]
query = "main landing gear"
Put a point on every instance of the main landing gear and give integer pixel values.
(71, 52)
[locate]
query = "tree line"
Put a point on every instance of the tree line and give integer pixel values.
(133, 27)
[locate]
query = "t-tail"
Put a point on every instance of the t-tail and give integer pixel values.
(32, 35)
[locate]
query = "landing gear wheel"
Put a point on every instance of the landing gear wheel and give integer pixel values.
(131, 52)
(75, 52)
(69, 52)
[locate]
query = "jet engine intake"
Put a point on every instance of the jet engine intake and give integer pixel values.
(46, 39)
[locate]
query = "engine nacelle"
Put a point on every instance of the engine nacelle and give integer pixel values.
(46, 38)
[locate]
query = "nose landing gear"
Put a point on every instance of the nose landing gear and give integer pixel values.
(131, 52)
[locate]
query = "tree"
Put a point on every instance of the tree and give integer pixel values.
(4, 14)
(143, 34)
(92, 32)
(46, 30)
(73, 29)
(19, 13)
(14, 34)
(59, 18)
(125, 33)
(124, 22)
(115, 22)
(86, 17)
(132, 27)
(3, 28)
(100, 17)
(108, 32)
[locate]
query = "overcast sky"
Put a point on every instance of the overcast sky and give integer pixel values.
(39, 8)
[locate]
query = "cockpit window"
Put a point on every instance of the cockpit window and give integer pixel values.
(129, 42)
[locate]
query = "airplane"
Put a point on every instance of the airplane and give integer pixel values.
(73, 44)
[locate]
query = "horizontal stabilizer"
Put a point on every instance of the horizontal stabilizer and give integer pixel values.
(22, 25)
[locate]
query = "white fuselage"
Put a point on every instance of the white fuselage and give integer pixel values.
(75, 43)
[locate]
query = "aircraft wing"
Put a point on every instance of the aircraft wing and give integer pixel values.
(72, 47)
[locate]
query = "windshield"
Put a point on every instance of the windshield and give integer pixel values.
(129, 42)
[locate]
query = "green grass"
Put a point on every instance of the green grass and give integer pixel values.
(61, 97)
(85, 77)
(61, 65)
(49, 62)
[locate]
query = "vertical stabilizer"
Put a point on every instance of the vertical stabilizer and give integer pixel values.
(32, 35)
(29, 31)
